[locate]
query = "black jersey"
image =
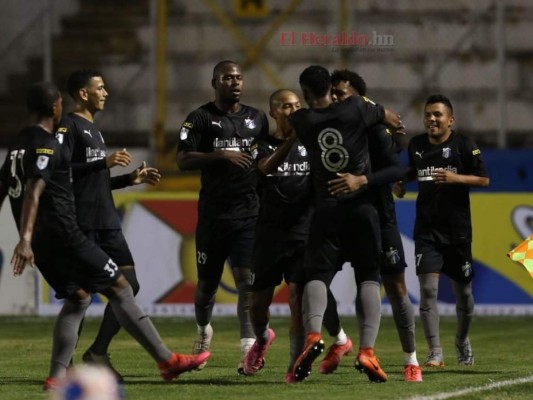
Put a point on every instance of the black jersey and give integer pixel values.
(386, 167)
(228, 191)
(336, 139)
(443, 211)
(91, 178)
(285, 194)
(36, 154)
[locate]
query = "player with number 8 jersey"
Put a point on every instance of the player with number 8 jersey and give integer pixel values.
(344, 228)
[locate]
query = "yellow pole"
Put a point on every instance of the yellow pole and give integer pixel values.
(161, 52)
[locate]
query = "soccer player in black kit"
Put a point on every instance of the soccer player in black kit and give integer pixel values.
(50, 238)
(282, 230)
(95, 208)
(342, 228)
(216, 139)
(446, 164)
(386, 168)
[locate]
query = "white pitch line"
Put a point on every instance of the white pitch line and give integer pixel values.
(490, 386)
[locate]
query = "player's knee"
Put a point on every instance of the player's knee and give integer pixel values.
(131, 277)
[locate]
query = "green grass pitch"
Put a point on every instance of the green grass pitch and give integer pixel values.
(503, 349)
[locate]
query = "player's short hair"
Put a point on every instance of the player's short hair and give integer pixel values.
(274, 96)
(218, 69)
(345, 75)
(440, 98)
(41, 97)
(317, 79)
(79, 79)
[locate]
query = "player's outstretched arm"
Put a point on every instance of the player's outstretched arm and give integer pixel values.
(23, 254)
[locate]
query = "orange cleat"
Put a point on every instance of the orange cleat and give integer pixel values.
(180, 363)
(314, 346)
(412, 373)
(333, 357)
(366, 362)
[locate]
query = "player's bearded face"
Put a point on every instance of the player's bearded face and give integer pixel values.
(438, 120)
(229, 84)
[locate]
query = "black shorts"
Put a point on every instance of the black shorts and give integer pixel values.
(73, 265)
(275, 259)
(344, 232)
(113, 243)
(454, 260)
(218, 240)
(393, 254)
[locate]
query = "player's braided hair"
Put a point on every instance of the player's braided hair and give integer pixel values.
(345, 75)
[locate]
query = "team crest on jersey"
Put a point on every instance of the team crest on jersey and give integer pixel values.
(446, 152)
(42, 162)
(184, 133)
(249, 123)
(302, 150)
(60, 137)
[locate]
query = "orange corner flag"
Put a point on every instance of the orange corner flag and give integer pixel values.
(523, 253)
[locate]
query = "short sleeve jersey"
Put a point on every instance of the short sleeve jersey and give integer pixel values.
(336, 139)
(95, 206)
(36, 154)
(228, 191)
(443, 211)
(285, 205)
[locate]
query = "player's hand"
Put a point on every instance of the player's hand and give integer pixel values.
(444, 176)
(22, 255)
(346, 183)
(243, 160)
(145, 174)
(122, 158)
(394, 122)
(398, 189)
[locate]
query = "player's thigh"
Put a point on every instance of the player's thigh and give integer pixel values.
(113, 243)
(212, 249)
(458, 262)
(362, 242)
(429, 257)
(241, 242)
(393, 261)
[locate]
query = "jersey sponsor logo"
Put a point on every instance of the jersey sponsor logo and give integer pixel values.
(419, 153)
(426, 174)
(287, 168)
(302, 150)
(476, 152)
(88, 132)
(45, 151)
(42, 161)
(184, 133)
(446, 152)
(187, 124)
(219, 123)
(233, 143)
(249, 123)
(94, 154)
(62, 130)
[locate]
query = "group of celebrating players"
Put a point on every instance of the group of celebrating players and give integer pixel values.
(294, 204)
